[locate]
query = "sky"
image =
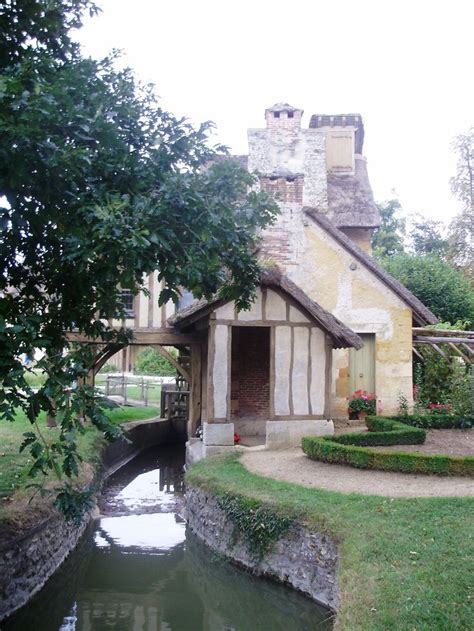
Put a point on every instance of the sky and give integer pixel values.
(405, 65)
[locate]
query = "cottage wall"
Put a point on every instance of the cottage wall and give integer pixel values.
(300, 360)
(343, 286)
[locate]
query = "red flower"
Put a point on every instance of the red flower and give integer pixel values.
(236, 438)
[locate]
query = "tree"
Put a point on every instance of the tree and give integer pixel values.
(99, 186)
(441, 288)
(388, 238)
(461, 238)
(427, 237)
(150, 362)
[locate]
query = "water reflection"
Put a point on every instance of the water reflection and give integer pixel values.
(143, 572)
(151, 533)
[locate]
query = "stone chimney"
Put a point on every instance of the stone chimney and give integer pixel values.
(283, 116)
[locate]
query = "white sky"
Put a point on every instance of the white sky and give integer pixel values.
(406, 65)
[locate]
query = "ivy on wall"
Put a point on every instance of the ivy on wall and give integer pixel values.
(258, 526)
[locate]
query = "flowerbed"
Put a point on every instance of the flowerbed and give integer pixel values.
(353, 450)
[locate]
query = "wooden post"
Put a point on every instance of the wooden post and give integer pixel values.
(195, 390)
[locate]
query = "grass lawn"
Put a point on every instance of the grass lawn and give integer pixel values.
(405, 564)
(13, 465)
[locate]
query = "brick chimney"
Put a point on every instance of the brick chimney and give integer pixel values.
(283, 116)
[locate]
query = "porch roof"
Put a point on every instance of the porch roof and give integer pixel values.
(342, 335)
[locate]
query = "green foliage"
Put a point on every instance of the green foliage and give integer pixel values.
(109, 368)
(427, 238)
(387, 240)
(382, 431)
(351, 449)
(439, 420)
(72, 503)
(441, 288)
(444, 380)
(150, 362)
(99, 186)
(362, 401)
(259, 526)
(403, 405)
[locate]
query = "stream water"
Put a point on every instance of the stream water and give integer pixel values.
(139, 569)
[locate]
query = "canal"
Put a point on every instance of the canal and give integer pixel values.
(139, 569)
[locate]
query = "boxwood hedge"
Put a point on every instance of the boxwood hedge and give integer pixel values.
(438, 420)
(352, 450)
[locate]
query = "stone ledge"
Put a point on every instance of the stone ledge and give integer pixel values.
(303, 559)
(284, 434)
(218, 434)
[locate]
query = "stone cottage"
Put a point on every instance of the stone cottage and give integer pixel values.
(327, 319)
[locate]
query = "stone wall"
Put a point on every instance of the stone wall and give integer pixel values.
(303, 559)
(345, 287)
(28, 560)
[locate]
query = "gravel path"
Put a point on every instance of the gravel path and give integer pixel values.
(292, 465)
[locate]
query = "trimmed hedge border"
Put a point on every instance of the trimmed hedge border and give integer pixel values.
(352, 450)
(438, 420)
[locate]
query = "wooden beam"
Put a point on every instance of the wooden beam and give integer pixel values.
(439, 351)
(460, 353)
(469, 350)
(144, 338)
(419, 355)
(441, 340)
(172, 360)
(196, 387)
(442, 332)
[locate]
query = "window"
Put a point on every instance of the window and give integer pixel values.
(276, 114)
(126, 303)
(291, 114)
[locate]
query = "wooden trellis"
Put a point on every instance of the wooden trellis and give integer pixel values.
(461, 342)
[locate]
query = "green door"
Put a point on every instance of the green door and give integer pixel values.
(362, 365)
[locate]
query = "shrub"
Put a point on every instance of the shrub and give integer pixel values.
(438, 420)
(352, 450)
(150, 362)
(108, 368)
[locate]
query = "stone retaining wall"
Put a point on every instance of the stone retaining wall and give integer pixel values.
(303, 559)
(29, 560)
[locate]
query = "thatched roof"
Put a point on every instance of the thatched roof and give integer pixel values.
(342, 336)
(350, 199)
(421, 313)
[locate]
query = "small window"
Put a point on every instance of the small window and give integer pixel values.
(276, 114)
(291, 114)
(126, 303)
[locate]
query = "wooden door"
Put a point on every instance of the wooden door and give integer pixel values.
(362, 365)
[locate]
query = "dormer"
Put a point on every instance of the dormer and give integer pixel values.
(283, 116)
(344, 140)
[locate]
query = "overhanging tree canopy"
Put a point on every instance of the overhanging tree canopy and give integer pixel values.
(99, 186)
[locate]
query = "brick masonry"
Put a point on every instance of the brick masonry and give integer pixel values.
(285, 189)
(250, 375)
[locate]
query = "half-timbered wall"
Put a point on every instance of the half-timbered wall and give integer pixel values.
(300, 358)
